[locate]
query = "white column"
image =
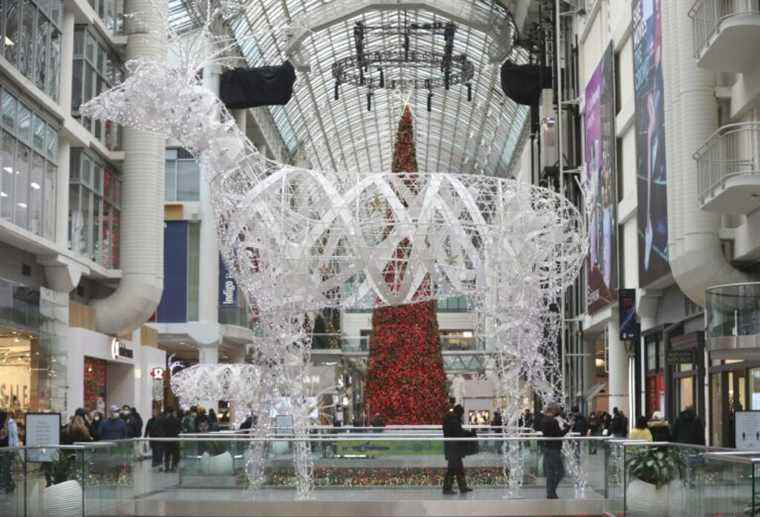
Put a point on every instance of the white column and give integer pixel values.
(618, 366)
(67, 61)
(589, 366)
(208, 294)
(64, 147)
(62, 193)
(209, 354)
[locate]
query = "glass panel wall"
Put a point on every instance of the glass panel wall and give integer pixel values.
(96, 69)
(94, 209)
(28, 170)
(182, 176)
(30, 39)
(110, 11)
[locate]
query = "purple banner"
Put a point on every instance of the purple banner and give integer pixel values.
(652, 177)
(599, 122)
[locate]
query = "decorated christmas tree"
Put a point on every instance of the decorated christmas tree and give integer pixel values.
(406, 383)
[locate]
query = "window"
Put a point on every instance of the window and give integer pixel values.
(96, 70)
(193, 270)
(109, 11)
(454, 304)
(28, 172)
(30, 39)
(94, 209)
(182, 176)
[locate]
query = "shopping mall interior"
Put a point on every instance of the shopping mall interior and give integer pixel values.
(379, 257)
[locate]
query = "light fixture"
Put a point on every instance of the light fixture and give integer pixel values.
(9, 42)
(3, 194)
(21, 205)
(35, 185)
(9, 170)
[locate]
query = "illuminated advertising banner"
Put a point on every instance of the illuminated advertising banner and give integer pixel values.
(599, 123)
(652, 177)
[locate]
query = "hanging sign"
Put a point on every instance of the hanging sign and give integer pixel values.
(227, 286)
(120, 351)
(157, 373)
(680, 357)
(627, 310)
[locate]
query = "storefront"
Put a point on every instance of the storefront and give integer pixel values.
(654, 371)
(104, 371)
(684, 368)
(733, 333)
(32, 362)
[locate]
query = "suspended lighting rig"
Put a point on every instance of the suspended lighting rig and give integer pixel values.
(404, 68)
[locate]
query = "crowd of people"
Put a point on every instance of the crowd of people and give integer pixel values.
(688, 428)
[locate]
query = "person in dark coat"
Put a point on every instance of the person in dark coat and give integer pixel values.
(115, 428)
(154, 429)
(579, 422)
(171, 426)
(659, 428)
(134, 423)
(454, 451)
(618, 424)
(549, 425)
(689, 428)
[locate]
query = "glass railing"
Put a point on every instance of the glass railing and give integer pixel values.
(596, 475)
(19, 304)
(361, 344)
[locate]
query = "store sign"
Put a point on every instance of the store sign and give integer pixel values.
(627, 309)
(227, 286)
(680, 357)
(120, 351)
(157, 373)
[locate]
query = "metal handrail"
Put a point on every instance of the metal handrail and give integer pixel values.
(708, 15)
(732, 150)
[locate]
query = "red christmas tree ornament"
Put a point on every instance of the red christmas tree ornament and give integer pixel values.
(406, 383)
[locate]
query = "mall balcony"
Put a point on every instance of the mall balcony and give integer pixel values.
(728, 168)
(726, 34)
(373, 473)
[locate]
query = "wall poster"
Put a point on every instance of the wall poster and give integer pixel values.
(599, 123)
(652, 178)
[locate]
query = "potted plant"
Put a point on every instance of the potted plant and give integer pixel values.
(651, 471)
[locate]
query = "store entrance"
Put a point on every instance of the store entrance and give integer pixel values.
(729, 395)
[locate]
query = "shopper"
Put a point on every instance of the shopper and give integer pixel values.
(134, 423)
(378, 421)
(454, 451)
(189, 422)
(115, 428)
(578, 422)
(526, 420)
(97, 420)
(689, 428)
(641, 431)
(77, 431)
(213, 422)
(154, 429)
(594, 430)
(618, 424)
(12, 429)
(549, 425)
(659, 427)
(171, 428)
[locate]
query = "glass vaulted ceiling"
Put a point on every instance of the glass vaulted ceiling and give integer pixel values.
(455, 136)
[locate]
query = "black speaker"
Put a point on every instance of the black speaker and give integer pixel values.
(523, 83)
(242, 88)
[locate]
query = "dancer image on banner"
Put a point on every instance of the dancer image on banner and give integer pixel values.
(650, 140)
